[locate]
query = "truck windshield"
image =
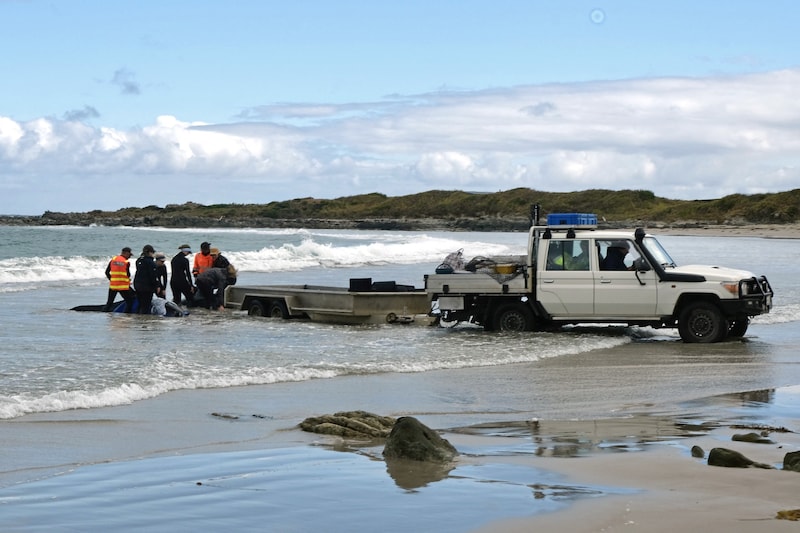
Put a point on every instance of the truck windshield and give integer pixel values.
(658, 252)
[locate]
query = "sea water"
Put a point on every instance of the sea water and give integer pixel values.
(55, 359)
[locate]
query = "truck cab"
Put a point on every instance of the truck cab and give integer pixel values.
(575, 273)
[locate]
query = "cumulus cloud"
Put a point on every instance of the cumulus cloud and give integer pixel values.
(679, 137)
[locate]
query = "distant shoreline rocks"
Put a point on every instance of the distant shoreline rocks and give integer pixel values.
(184, 221)
(487, 223)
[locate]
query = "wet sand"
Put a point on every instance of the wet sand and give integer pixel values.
(235, 458)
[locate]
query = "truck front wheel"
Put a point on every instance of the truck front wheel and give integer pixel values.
(738, 327)
(702, 322)
(513, 318)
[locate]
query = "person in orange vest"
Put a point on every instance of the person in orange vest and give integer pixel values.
(204, 260)
(118, 273)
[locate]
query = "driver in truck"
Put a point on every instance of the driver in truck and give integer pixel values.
(615, 256)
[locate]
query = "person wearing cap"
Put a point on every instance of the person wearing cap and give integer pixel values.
(220, 261)
(615, 256)
(161, 271)
(118, 273)
(181, 281)
(145, 281)
(203, 260)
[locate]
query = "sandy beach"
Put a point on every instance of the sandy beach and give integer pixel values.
(768, 231)
(220, 458)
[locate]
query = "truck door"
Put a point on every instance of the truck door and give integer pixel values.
(565, 284)
(623, 293)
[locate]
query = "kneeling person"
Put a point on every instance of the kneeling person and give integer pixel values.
(207, 281)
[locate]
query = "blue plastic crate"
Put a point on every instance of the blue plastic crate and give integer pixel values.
(571, 219)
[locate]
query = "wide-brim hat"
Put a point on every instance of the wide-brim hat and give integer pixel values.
(185, 248)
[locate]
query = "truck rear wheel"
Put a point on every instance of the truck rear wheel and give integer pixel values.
(513, 318)
(702, 322)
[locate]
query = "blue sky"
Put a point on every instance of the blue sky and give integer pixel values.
(109, 104)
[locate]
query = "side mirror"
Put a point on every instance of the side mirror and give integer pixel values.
(641, 265)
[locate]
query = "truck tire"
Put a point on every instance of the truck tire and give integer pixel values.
(702, 322)
(738, 327)
(277, 309)
(513, 318)
(256, 308)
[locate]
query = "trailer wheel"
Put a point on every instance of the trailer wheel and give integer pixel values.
(256, 308)
(513, 318)
(277, 309)
(702, 322)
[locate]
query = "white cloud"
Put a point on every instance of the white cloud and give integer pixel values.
(680, 137)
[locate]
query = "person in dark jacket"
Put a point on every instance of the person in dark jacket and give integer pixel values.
(209, 280)
(220, 261)
(145, 281)
(181, 281)
(161, 269)
(615, 256)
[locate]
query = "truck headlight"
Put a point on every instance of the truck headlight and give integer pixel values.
(731, 286)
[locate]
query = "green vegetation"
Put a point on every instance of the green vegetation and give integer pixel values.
(456, 209)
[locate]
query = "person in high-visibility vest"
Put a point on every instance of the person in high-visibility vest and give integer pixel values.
(118, 273)
(203, 261)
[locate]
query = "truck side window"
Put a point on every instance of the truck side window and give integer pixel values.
(568, 255)
(619, 255)
(555, 256)
(580, 258)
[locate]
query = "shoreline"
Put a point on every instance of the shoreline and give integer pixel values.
(230, 448)
(587, 475)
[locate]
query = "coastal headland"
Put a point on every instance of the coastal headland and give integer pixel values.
(773, 213)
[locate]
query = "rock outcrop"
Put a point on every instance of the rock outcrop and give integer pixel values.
(411, 439)
(758, 438)
(791, 461)
(350, 424)
(732, 459)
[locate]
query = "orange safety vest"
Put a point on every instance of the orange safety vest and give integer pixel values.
(202, 263)
(120, 280)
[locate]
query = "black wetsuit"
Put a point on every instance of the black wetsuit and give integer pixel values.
(181, 282)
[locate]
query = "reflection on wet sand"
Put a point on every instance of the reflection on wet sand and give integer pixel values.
(575, 438)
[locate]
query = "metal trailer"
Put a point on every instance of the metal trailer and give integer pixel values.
(363, 302)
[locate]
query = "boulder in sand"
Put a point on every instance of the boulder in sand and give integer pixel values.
(411, 439)
(732, 459)
(791, 461)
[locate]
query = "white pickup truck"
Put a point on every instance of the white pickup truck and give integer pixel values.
(574, 273)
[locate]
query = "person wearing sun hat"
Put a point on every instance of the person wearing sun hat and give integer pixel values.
(181, 281)
(220, 261)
